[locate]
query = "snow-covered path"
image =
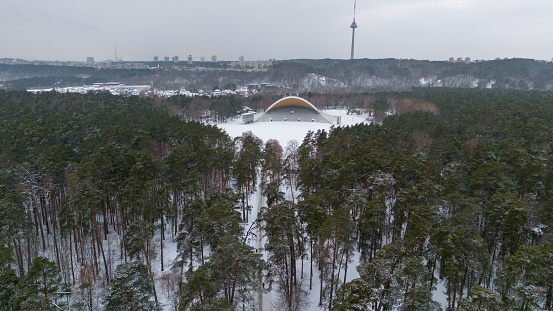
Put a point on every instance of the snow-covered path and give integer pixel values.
(259, 202)
(263, 299)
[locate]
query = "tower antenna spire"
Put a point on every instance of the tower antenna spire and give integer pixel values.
(353, 26)
(354, 6)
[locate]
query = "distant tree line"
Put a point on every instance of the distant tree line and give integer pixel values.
(329, 76)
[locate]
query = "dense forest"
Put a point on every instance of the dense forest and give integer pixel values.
(329, 76)
(449, 193)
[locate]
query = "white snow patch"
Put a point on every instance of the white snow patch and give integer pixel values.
(538, 230)
(286, 131)
(425, 82)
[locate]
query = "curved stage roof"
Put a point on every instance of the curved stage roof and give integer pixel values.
(292, 101)
(293, 108)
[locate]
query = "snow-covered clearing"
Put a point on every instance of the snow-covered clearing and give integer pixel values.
(286, 131)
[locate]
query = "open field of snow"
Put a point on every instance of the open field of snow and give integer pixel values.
(289, 130)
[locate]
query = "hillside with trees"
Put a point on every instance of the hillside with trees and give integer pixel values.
(443, 203)
(328, 76)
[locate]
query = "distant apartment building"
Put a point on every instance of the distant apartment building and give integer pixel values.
(459, 60)
(175, 59)
(166, 58)
(156, 59)
(189, 59)
(214, 58)
(202, 59)
(90, 60)
(241, 59)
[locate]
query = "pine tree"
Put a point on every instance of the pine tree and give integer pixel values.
(248, 157)
(284, 245)
(44, 276)
(10, 284)
(131, 289)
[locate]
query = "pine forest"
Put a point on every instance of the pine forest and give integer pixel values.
(445, 202)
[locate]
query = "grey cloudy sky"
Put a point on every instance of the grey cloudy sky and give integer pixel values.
(281, 29)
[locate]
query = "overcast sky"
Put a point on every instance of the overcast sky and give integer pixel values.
(281, 29)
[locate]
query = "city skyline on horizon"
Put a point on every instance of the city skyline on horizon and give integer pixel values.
(456, 59)
(242, 58)
(402, 29)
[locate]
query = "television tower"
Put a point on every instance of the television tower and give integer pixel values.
(353, 26)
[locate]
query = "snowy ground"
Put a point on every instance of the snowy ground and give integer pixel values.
(286, 131)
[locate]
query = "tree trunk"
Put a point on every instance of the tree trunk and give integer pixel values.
(548, 298)
(293, 274)
(93, 243)
(75, 242)
(44, 283)
(44, 212)
(103, 255)
(311, 264)
(449, 293)
(201, 300)
(286, 280)
(433, 271)
(454, 293)
(38, 219)
(346, 268)
(234, 285)
(321, 260)
(335, 249)
(463, 282)
(19, 255)
(202, 250)
(491, 270)
(71, 258)
(149, 270)
(56, 249)
(104, 210)
(161, 240)
(29, 255)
